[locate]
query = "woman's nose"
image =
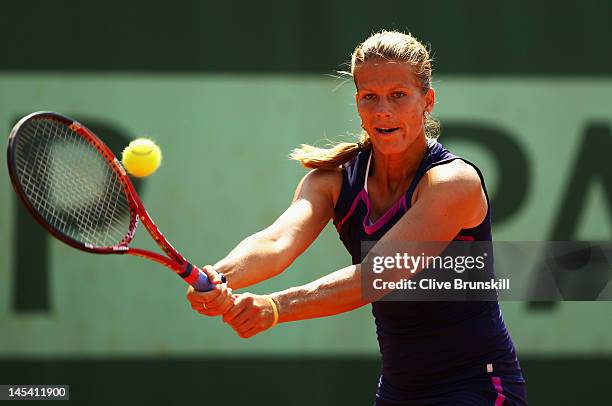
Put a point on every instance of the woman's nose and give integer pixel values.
(383, 109)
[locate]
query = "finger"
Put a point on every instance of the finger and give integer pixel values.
(216, 302)
(234, 311)
(250, 333)
(209, 309)
(189, 294)
(197, 305)
(213, 275)
(248, 325)
(203, 308)
(226, 305)
(221, 308)
(204, 297)
(208, 312)
(242, 318)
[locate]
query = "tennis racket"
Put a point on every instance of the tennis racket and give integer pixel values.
(74, 186)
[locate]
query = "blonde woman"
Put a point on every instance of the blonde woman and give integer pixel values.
(396, 183)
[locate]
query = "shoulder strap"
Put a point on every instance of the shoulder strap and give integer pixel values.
(353, 173)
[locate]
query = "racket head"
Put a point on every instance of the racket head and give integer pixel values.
(72, 183)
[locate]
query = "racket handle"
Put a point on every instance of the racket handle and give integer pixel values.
(198, 279)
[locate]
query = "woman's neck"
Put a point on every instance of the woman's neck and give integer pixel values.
(393, 171)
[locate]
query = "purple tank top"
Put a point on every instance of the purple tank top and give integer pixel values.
(421, 340)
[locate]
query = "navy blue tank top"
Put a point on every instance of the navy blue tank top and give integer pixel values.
(421, 342)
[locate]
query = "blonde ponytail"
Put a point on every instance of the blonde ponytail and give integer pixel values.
(312, 157)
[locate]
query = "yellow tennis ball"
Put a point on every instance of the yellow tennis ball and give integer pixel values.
(141, 157)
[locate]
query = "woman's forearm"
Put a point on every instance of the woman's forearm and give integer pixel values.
(335, 293)
(255, 259)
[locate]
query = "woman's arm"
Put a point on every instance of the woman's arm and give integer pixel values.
(450, 197)
(270, 251)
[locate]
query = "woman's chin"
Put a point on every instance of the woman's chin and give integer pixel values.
(390, 146)
(391, 149)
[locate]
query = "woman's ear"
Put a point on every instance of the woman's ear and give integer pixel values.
(430, 99)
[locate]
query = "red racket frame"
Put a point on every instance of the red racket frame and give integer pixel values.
(175, 261)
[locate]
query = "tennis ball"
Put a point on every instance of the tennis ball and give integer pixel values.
(141, 157)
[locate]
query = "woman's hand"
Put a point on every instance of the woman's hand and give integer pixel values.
(251, 314)
(214, 302)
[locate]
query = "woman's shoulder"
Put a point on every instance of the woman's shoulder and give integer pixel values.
(326, 182)
(455, 172)
(324, 177)
(455, 176)
(459, 184)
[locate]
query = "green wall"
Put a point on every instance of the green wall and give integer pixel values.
(523, 90)
(226, 175)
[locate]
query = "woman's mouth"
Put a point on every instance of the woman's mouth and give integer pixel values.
(386, 130)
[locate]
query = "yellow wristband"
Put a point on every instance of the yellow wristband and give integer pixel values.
(274, 309)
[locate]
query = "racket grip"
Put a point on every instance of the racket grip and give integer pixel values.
(198, 279)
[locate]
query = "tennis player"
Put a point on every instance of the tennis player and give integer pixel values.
(396, 184)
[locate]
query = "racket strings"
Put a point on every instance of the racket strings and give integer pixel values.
(31, 185)
(76, 179)
(71, 185)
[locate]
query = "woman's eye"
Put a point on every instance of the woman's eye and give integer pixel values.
(369, 96)
(397, 95)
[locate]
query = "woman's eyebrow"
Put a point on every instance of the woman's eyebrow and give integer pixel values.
(392, 87)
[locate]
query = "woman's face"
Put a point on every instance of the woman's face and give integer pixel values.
(391, 104)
